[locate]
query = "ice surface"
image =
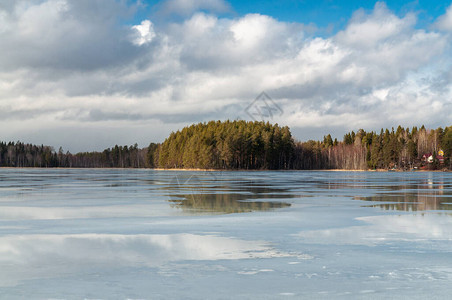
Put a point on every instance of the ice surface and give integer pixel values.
(143, 234)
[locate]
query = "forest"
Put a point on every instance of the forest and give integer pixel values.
(228, 145)
(400, 149)
(18, 154)
(259, 145)
(242, 145)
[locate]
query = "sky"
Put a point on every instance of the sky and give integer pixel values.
(89, 74)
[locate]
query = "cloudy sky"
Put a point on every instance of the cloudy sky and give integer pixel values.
(89, 74)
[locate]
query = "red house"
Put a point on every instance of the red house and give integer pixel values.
(428, 158)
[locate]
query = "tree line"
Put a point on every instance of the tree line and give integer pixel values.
(242, 145)
(260, 145)
(227, 145)
(403, 148)
(18, 154)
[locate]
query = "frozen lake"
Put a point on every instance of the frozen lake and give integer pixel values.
(143, 234)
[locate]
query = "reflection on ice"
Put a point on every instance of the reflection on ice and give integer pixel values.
(383, 229)
(212, 193)
(411, 201)
(406, 191)
(226, 203)
(35, 256)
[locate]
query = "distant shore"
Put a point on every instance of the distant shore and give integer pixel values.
(253, 170)
(316, 170)
(233, 170)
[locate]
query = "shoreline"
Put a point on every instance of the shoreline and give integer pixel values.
(314, 170)
(228, 170)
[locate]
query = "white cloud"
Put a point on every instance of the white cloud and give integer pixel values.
(146, 32)
(365, 31)
(61, 67)
(65, 34)
(444, 22)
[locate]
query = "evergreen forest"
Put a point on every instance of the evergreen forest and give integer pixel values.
(242, 145)
(18, 154)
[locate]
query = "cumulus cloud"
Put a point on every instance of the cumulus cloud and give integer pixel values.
(145, 31)
(444, 22)
(367, 31)
(75, 64)
(60, 34)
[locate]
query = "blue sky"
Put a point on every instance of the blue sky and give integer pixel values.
(325, 13)
(89, 74)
